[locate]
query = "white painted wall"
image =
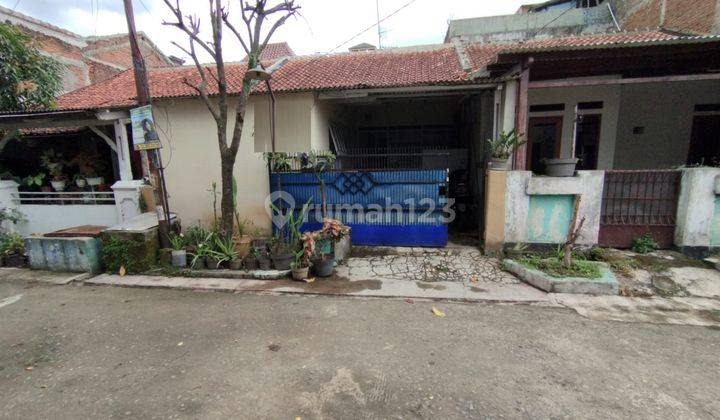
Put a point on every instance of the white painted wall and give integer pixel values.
(44, 218)
(320, 125)
(610, 95)
(293, 122)
(193, 163)
(521, 185)
(666, 111)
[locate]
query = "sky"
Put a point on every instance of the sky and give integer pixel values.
(322, 27)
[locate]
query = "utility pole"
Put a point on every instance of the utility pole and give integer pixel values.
(152, 162)
(377, 13)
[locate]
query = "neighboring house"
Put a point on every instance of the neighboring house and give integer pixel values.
(274, 51)
(571, 17)
(412, 121)
(89, 59)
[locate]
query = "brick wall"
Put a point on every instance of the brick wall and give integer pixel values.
(694, 16)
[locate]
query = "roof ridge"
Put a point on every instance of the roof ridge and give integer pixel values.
(95, 85)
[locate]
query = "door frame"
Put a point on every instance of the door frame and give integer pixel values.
(558, 120)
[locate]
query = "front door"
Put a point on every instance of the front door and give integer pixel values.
(588, 141)
(705, 142)
(544, 134)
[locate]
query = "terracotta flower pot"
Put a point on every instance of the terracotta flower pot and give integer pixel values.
(250, 263)
(300, 273)
(212, 263)
(236, 264)
(242, 245)
(264, 263)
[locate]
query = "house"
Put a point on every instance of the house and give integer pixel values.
(412, 123)
(88, 59)
(573, 17)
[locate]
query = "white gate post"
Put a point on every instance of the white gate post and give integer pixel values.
(696, 211)
(123, 152)
(8, 201)
(127, 199)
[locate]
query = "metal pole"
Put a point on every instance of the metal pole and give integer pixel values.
(152, 159)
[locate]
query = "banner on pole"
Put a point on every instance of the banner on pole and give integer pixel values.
(144, 134)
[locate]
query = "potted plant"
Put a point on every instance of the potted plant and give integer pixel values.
(502, 148)
(281, 253)
(263, 259)
(179, 254)
(300, 266)
(323, 263)
(278, 161)
(201, 252)
(54, 164)
(241, 240)
(80, 180)
(287, 240)
(222, 252)
(564, 167)
(250, 262)
(89, 165)
(13, 247)
(34, 181)
(339, 235)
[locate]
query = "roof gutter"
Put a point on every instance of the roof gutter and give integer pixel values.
(360, 93)
(54, 119)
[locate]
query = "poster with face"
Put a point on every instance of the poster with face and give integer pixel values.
(145, 135)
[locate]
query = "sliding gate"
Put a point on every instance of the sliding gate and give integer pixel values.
(638, 202)
(394, 208)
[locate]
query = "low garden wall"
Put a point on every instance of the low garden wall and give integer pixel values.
(526, 209)
(539, 210)
(48, 212)
(697, 232)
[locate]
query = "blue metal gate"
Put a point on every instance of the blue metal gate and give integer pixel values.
(396, 208)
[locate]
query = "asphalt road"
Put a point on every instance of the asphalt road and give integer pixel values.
(71, 352)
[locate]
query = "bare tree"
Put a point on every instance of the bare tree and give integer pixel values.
(256, 17)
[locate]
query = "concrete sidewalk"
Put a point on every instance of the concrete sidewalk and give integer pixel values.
(340, 286)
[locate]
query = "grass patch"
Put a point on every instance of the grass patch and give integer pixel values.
(555, 267)
(170, 271)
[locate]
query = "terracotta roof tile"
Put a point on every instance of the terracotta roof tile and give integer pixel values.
(436, 65)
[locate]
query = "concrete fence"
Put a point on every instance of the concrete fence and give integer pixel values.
(525, 209)
(49, 212)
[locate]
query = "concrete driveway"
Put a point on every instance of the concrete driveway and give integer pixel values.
(69, 352)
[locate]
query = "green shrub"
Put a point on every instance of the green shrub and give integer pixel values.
(125, 253)
(555, 268)
(11, 243)
(645, 244)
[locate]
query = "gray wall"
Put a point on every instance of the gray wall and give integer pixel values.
(665, 111)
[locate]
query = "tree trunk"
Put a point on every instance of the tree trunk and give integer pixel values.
(227, 163)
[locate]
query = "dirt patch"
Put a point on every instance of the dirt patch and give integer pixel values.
(478, 289)
(664, 260)
(430, 286)
(373, 251)
(330, 285)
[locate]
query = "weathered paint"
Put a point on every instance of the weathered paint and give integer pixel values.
(549, 218)
(396, 208)
(522, 186)
(697, 208)
(715, 230)
(64, 254)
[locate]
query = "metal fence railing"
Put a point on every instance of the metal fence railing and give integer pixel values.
(66, 198)
(640, 198)
(374, 160)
